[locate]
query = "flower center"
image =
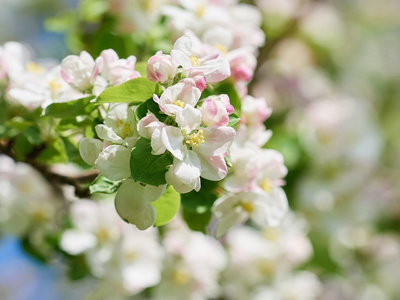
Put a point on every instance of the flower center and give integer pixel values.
(195, 61)
(33, 67)
(266, 185)
(179, 103)
(196, 138)
(247, 206)
(102, 235)
(54, 85)
(124, 129)
(271, 234)
(200, 10)
(130, 255)
(222, 49)
(180, 277)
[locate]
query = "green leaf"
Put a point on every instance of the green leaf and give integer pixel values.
(195, 221)
(201, 201)
(104, 185)
(70, 109)
(167, 206)
(146, 167)
(233, 120)
(141, 111)
(33, 135)
(134, 91)
(22, 147)
(54, 153)
(155, 110)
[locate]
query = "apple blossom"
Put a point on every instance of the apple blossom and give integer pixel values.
(160, 68)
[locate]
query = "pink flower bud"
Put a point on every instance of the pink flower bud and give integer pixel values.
(242, 63)
(214, 113)
(199, 79)
(160, 68)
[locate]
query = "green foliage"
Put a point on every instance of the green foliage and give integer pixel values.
(167, 206)
(149, 105)
(233, 120)
(70, 109)
(195, 221)
(197, 205)
(104, 185)
(146, 167)
(201, 201)
(134, 91)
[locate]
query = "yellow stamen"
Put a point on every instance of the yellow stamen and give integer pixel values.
(201, 9)
(55, 84)
(40, 216)
(247, 206)
(179, 103)
(266, 185)
(33, 67)
(222, 49)
(124, 128)
(180, 277)
(130, 256)
(266, 267)
(271, 234)
(195, 61)
(102, 235)
(196, 138)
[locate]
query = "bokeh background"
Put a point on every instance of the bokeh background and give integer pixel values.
(330, 70)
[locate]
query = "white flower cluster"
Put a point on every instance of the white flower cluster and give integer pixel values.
(27, 202)
(253, 188)
(182, 264)
(40, 83)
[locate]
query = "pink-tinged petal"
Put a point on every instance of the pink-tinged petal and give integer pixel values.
(157, 100)
(65, 76)
(188, 118)
(189, 93)
(213, 168)
(147, 125)
(172, 139)
(215, 70)
(96, 68)
(217, 140)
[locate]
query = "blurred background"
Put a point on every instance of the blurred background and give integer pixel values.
(330, 70)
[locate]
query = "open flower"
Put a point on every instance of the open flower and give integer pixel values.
(177, 96)
(81, 71)
(214, 66)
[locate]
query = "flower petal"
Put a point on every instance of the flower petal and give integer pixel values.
(113, 162)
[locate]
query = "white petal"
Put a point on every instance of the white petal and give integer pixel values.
(184, 175)
(107, 134)
(90, 149)
(188, 118)
(113, 162)
(172, 139)
(213, 168)
(132, 202)
(75, 241)
(270, 208)
(184, 44)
